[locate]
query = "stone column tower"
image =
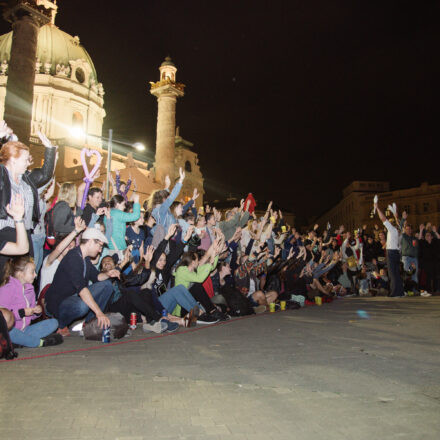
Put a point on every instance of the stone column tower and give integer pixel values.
(166, 91)
(26, 17)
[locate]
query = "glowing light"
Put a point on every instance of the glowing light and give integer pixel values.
(139, 146)
(77, 132)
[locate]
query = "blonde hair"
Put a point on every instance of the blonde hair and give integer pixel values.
(67, 193)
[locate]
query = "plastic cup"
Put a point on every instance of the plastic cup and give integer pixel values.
(272, 307)
(283, 305)
(318, 300)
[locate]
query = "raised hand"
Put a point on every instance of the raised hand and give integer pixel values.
(182, 175)
(171, 231)
(5, 131)
(16, 208)
(100, 211)
(50, 190)
(167, 181)
(45, 141)
(195, 194)
(149, 254)
(80, 224)
(189, 233)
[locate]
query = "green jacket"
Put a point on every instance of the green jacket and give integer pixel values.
(185, 277)
(228, 227)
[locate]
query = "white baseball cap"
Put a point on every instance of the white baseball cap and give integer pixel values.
(94, 233)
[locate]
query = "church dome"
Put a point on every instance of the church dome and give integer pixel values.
(54, 47)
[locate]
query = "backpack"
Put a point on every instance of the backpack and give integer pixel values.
(6, 348)
(48, 223)
(118, 328)
(238, 304)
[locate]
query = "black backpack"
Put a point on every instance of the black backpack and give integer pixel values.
(48, 223)
(238, 304)
(6, 348)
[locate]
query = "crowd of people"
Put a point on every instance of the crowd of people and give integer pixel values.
(173, 265)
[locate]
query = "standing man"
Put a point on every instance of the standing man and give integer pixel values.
(70, 297)
(392, 252)
(410, 248)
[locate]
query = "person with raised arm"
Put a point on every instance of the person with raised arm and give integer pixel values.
(393, 244)
(21, 245)
(16, 179)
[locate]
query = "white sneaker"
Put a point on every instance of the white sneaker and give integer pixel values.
(157, 327)
(425, 293)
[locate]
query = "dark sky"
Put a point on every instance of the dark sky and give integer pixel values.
(290, 100)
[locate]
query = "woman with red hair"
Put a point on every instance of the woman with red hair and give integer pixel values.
(15, 179)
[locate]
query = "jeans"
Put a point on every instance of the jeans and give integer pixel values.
(393, 263)
(74, 307)
(178, 295)
(407, 261)
(38, 243)
(31, 335)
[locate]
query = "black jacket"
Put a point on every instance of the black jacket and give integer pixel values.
(35, 179)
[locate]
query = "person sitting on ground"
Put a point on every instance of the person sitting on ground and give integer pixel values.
(133, 300)
(15, 210)
(63, 244)
(18, 295)
(192, 272)
(70, 297)
(154, 275)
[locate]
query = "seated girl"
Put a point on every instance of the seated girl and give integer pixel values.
(17, 294)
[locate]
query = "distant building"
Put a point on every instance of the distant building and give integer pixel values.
(68, 106)
(422, 204)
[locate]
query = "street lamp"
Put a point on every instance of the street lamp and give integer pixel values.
(139, 146)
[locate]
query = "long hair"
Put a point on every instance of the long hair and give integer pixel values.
(157, 198)
(14, 265)
(187, 259)
(115, 200)
(67, 193)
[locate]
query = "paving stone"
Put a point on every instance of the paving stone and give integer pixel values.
(307, 374)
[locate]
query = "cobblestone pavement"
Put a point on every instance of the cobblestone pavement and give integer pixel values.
(316, 373)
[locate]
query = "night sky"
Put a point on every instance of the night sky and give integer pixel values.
(290, 100)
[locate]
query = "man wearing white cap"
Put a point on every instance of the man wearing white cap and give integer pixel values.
(70, 297)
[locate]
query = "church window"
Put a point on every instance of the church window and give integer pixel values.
(188, 166)
(80, 75)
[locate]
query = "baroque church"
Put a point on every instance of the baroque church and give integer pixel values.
(68, 106)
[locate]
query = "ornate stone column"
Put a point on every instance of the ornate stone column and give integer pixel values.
(26, 17)
(167, 91)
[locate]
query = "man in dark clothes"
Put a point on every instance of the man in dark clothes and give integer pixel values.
(94, 200)
(70, 296)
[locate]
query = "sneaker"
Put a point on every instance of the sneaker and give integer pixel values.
(53, 339)
(259, 309)
(206, 318)
(425, 293)
(171, 326)
(63, 332)
(156, 327)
